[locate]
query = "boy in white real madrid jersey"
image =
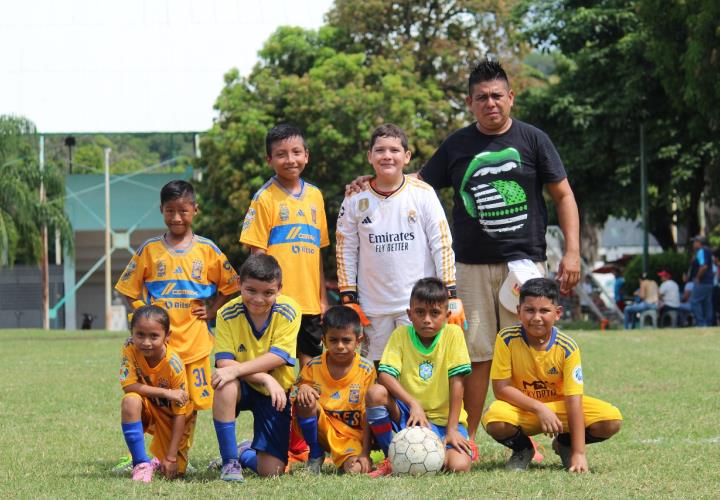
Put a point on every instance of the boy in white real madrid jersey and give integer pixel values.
(538, 382)
(388, 237)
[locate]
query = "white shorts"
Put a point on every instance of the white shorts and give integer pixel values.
(378, 333)
(478, 286)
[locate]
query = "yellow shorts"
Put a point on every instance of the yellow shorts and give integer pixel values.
(159, 425)
(337, 438)
(198, 379)
(594, 410)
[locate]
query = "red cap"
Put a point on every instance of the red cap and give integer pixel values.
(665, 274)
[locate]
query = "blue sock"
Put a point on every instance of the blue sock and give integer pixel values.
(135, 439)
(378, 419)
(226, 440)
(309, 428)
(248, 459)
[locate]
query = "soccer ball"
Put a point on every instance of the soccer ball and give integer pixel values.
(417, 451)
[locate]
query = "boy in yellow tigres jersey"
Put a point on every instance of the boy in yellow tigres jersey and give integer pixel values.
(330, 403)
(538, 382)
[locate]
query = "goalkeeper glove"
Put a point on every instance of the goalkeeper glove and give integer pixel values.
(457, 311)
(350, 299)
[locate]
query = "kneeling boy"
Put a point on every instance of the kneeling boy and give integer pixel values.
(255, 345)
(538, 382)
(421, 379)
(330, 404)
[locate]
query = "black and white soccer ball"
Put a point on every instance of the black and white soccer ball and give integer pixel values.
(417, 451)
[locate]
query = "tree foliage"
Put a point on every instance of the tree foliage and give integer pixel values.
(362, 69)
(608, 86)
(22, 215)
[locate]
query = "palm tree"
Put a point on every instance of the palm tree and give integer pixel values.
(22, 214)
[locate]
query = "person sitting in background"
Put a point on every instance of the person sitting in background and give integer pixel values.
(684, 306)
(618, 288)
(669, 292)
(648, 299)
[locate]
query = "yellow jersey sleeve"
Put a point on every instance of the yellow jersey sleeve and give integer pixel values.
(324, 237)
(128, 368)
(572, 375)
(392, 361)
(225, 339)
(457, 352)
(284, 338)
(501, 367)
(133, 277)
(257, 223)
(221, 273)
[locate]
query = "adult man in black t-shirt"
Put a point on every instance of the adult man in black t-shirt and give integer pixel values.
(497, 167)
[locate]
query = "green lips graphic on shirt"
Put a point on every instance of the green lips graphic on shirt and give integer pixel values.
(500, 205)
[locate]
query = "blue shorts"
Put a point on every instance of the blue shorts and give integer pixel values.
(271, 428)
(440, 430)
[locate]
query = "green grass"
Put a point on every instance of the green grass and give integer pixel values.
(60, 433)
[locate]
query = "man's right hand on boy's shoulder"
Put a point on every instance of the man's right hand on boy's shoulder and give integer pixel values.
(307, 396)
(358, 185)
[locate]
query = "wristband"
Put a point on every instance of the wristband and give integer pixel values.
(348, 297)
(452, 292)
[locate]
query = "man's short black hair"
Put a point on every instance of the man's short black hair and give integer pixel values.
(540, 287)
(154, 313)
(340, 318)
(261, 267)
(280, 133)
(429, 291)
(177, 189)
(486, 71)
(389, 130)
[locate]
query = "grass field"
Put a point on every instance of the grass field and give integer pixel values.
(60, 433)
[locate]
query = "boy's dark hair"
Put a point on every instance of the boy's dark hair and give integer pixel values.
(280, 133)
(540, 287)
(341, 317)
(176, 189)
(486, 71)
(154, 313)
(389, 130)
(261, 267)
(429, 291)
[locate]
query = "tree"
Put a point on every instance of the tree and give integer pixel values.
(606, 87)
(22, 215)
(374, 62)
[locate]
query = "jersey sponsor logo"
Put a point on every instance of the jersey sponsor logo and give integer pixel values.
(300, 213)
(425, 370)
(366, 220)
(302, 249)
(391, 242)
(539, 389)
(552, 371)
(490, 196)
(284, 212)
(129, 270)
(160, 269)
(577, 374)
(227, 266)
(197, 268)
(363, 204)
(294, 233)
(335, 395)
(353, 418)
(412, 217)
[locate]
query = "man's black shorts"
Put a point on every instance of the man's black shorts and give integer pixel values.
(309, 340)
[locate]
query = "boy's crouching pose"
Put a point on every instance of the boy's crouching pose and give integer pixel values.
(421, 379)
(256, 340)
(330, 404)
(538, 383)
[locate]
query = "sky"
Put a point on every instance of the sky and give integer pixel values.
(132, 65)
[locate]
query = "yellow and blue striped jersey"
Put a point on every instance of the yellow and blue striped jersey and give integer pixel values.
(293, 229)
(169, 373)
(424, 372)
(177, 280)
(547, 375)
(343, 400)
(239, 339)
